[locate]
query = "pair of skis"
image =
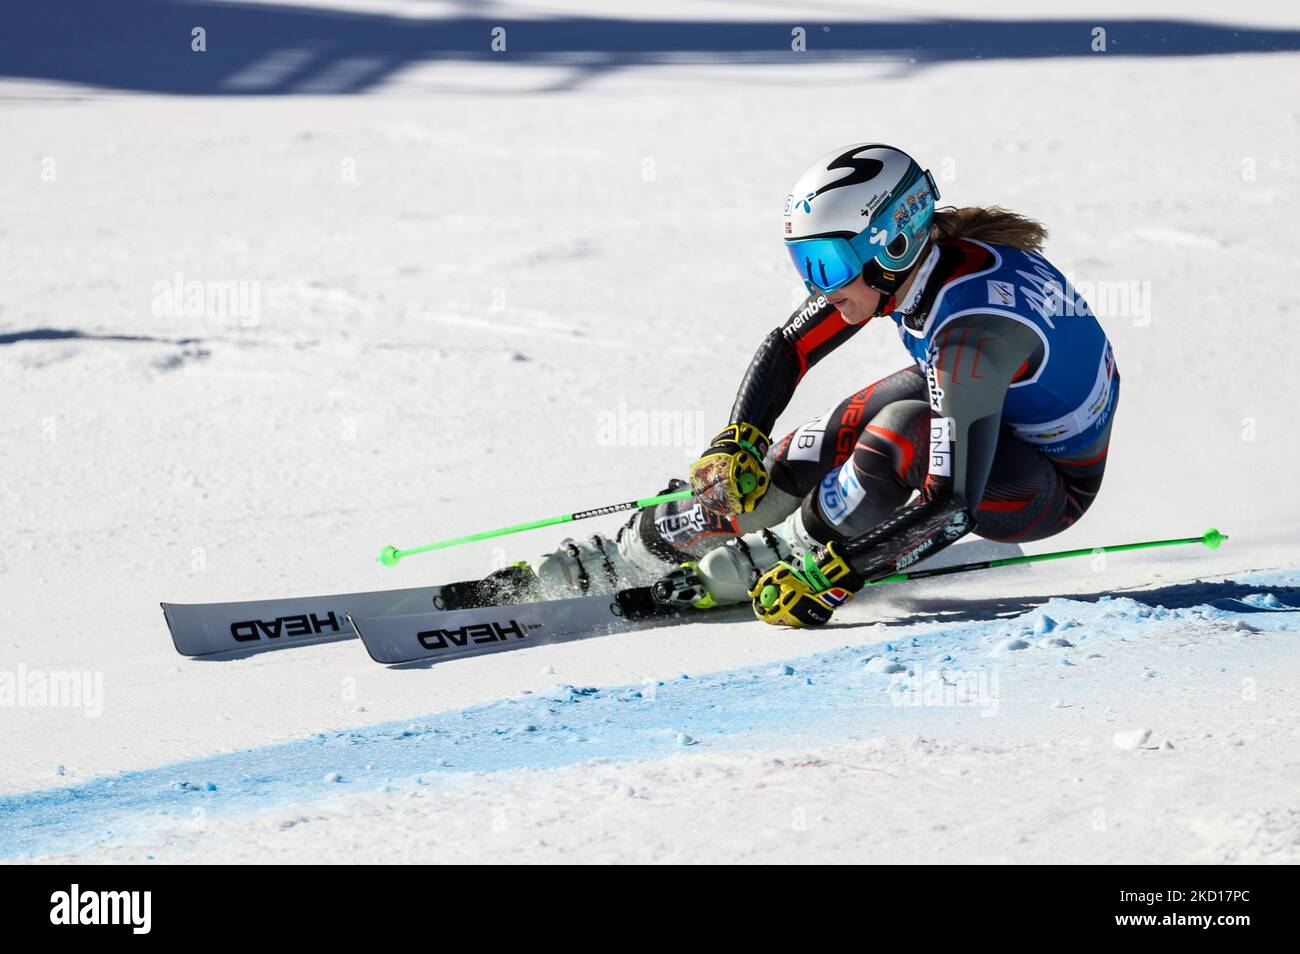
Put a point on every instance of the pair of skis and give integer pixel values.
(406, 626)
(412, 625)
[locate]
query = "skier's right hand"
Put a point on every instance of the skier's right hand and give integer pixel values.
(730, 478)
(805, 592)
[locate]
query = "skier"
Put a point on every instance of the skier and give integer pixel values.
(1000, 426)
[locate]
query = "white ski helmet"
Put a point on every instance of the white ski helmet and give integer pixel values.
(865, 209)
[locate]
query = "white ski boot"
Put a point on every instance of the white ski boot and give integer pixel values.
(724, 575)
(597, 565)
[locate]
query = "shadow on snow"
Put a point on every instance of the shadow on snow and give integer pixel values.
(267, 49)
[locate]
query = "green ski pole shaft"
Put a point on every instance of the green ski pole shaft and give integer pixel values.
(1210, 538)
(390, 555)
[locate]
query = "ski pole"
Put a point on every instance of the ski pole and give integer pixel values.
(1210, 538)
(389, 556)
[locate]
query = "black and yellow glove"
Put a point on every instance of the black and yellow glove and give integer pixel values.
(730, 478)
(806, 592)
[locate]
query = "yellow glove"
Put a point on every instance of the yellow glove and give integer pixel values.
(729, 478)
(806, 592)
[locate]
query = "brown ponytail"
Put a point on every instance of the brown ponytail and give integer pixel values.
(995, 225)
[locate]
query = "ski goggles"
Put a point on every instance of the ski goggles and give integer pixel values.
(829, 262)
(826, 264)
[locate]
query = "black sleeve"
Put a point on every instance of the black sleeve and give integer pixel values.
(812, 332)
(974, 363)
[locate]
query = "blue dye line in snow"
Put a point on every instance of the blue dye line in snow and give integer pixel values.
(832, 693)
(560, 726)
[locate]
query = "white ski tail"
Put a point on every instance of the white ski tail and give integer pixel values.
(205, 629)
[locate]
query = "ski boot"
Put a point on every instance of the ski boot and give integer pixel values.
(593, 566)
(598, 565)
(723, 576)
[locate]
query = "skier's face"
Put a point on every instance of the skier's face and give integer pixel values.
(857, 301)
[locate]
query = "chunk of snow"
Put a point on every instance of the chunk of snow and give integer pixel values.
(1059, 641)
(884, 664)
(1131, 738)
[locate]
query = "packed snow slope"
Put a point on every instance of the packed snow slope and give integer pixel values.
(473, 291)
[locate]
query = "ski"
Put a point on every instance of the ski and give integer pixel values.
(400, 639)
(251, 626)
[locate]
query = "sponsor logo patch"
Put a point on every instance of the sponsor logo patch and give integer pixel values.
(805, 314)
(836, 597)
(957, 526)
(832, 503)
(1002, 293)
(941, 446)
(841, 492)
(806, 441)
(932, 384)
(911, 556)
(674, 526)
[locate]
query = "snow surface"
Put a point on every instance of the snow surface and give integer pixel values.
(532, 257)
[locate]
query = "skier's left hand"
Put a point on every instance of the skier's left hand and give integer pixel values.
(805, 592)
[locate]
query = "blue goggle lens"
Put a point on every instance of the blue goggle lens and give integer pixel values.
(825, 264)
